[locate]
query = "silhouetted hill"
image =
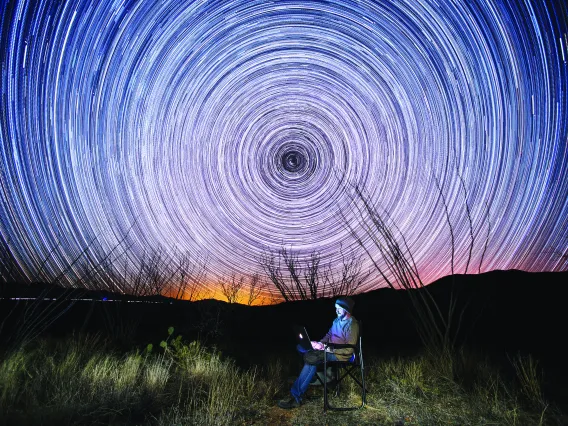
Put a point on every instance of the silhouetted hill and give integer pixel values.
(512, 309)
(501, 310)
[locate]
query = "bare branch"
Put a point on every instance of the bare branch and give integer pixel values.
(231, 287)
(256, 288)
(468, 213)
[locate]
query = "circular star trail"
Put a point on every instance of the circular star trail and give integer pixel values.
(228, 129)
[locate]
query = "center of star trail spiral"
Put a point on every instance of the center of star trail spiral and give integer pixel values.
(223, 129)
(293, 160)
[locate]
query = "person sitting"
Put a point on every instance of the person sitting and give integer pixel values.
(344, 330)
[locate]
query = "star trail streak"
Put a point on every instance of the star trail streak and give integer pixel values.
(223, 129)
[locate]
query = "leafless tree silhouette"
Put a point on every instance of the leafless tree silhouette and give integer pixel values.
(231, 287)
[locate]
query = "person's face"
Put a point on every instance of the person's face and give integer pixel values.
(340, 312)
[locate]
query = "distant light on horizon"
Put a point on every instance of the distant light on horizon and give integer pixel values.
(226, 129)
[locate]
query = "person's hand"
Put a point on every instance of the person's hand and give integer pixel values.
(317, 346)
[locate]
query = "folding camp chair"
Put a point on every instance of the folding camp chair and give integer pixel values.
(342, 370)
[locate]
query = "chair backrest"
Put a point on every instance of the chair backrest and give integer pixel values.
(358, 352)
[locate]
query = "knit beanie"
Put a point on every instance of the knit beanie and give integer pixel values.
(346, 303)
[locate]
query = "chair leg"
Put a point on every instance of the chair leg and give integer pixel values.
(364, 390)
(337, 382)
(339, 378)
(325, 401)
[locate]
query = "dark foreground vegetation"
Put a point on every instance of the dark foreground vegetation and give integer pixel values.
(82, 380)
(210, 362)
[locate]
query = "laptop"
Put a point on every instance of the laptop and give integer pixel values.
(303, 338)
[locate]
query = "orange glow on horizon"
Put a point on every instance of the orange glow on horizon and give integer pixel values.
(208, 291)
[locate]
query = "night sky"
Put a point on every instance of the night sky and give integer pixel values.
(226, 129)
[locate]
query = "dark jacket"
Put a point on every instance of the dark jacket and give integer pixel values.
(345, 332)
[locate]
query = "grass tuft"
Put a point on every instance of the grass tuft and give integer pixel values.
(83, 381)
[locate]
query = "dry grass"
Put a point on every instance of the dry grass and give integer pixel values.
(426, 391)
(82, 381)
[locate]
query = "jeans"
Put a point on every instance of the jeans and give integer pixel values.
(301, 384)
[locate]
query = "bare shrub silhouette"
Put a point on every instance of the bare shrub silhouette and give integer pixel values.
(156, 273)
(437, 328)
(37, 315)
(306, 278)
(231, 287)
(190, 276)
(10, 274)
(348, 280)
(10, 270)
(257, 286)
(59, 292)
(237, 290)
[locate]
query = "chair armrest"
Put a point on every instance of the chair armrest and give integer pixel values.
(339, 345)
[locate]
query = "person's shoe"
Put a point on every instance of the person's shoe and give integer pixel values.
(288, 403)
